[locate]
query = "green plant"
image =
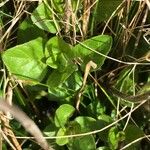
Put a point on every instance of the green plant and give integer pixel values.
(45, 51)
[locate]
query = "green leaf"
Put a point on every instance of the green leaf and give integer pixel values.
(43, 18)
(59, 54)
(87, 123)
(59, 5)
(72, 128)
(25, 60)
(105, 8)
(95, 108)
(89, 50)
(64, 92)
(60, 57)
(56, 78)
(106, 118)
(132, 133)
(61, 141)
(50, 130)
(63, 113)
(82, 143)
(27, 28)
(74, 82)
(58, 61)
(59, 94)
(114, 137)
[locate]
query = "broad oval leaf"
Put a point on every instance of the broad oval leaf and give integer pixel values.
(132, 133)
(27, 28)
(95, 108)
(25, 60)
(50, 130)
(65, 92)
(56, 78)
(83, 143)
(87, 123)
(43, 18)
(91, 50)
(63, 113)
(59, 54)
(115, 137)
(61, 141)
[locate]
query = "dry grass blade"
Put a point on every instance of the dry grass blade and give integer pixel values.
(9, 132)
(26, 122)
(86, 72)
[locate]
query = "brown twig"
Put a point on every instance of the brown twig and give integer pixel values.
(8, 131)
(26, 122)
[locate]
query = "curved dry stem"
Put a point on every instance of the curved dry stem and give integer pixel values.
(26, 122)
